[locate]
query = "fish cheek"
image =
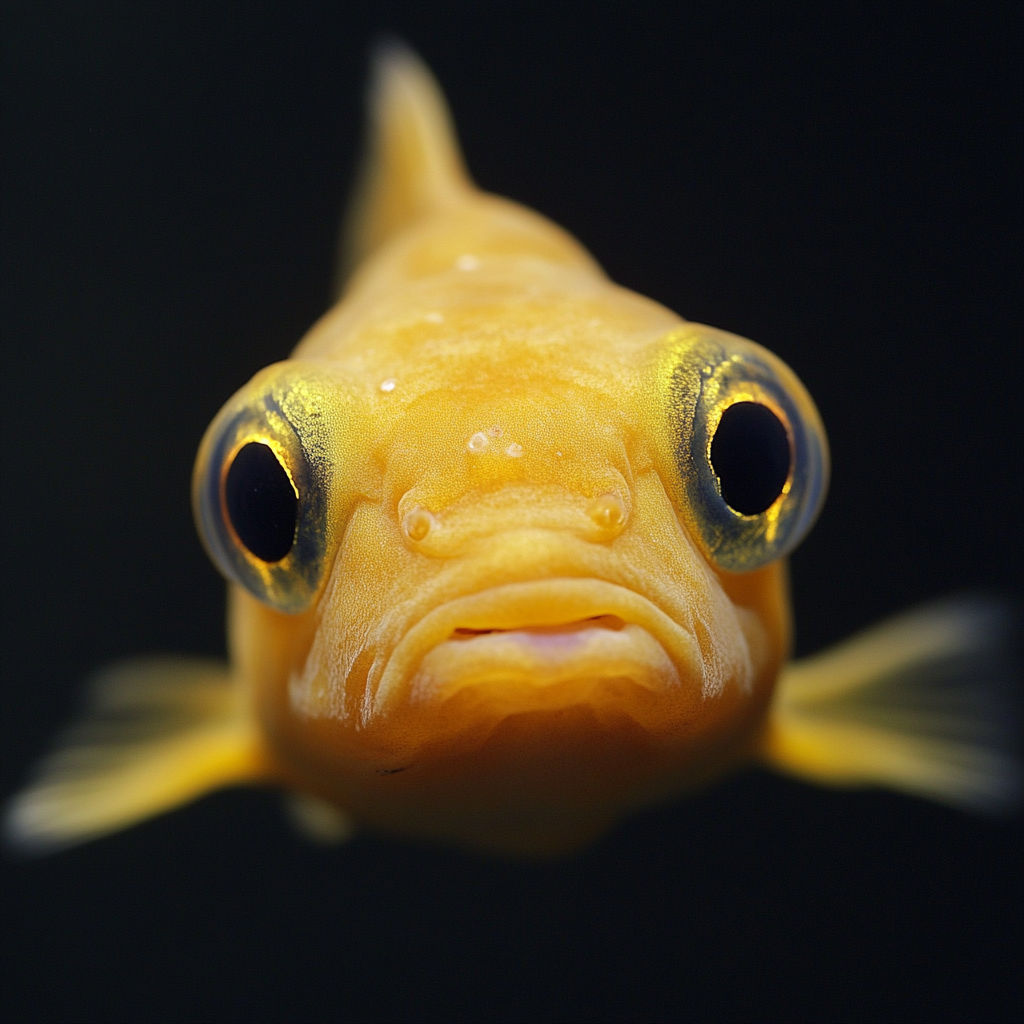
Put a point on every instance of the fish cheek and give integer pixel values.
(313, 753)
(763, 595)
(309, 672)
(267, 647)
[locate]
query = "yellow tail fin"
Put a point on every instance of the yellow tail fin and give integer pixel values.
(157, 733)
(925, 703)
(413, 165)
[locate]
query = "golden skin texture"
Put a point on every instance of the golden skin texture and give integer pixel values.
(514, 604)
(506, 456)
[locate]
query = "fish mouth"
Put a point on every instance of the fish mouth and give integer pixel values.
(518, 641)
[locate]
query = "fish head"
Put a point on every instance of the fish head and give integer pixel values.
(505, 556)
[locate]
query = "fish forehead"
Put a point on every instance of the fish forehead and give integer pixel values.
(453, 441)
(518, 372)
(512, 319)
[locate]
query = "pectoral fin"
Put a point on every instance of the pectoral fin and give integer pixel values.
(926, 703)
(318, 821)
(156, 733)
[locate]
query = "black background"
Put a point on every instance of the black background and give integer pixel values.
(837, 182)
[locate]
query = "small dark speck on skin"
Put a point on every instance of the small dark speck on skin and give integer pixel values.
(392, 771)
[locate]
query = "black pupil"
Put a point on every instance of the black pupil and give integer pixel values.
(261, 502)
(750, 455)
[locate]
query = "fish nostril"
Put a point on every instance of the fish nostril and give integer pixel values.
(417, 523)
(607, 511)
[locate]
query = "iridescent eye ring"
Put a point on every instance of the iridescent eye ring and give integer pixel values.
(748, 447)
(264, 490)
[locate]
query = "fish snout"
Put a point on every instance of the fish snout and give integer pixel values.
(515, 518)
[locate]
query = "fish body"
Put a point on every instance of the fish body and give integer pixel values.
(506, 549)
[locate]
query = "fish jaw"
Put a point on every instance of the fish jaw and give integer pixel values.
(523, 691)
(491, 723)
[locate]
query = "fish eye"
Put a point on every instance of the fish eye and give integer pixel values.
(749, 451)
(261, 502)
(266, 488)
(751, 456)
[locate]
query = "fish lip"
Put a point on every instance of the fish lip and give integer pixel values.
(522, 605)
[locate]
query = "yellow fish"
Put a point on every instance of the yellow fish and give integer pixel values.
(506, 548)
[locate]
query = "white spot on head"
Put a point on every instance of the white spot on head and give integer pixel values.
(495, 431)
(417, 523)
(514, 450)
(478, 442)
(467, 262)
(607, 511)
(433, 317)
(558, 455)
(387, 385)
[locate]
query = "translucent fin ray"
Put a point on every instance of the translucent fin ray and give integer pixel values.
(926, 703)
(156, 733)
(413, 164)
(318, 821)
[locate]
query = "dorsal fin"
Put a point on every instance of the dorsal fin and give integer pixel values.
(413, 165)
